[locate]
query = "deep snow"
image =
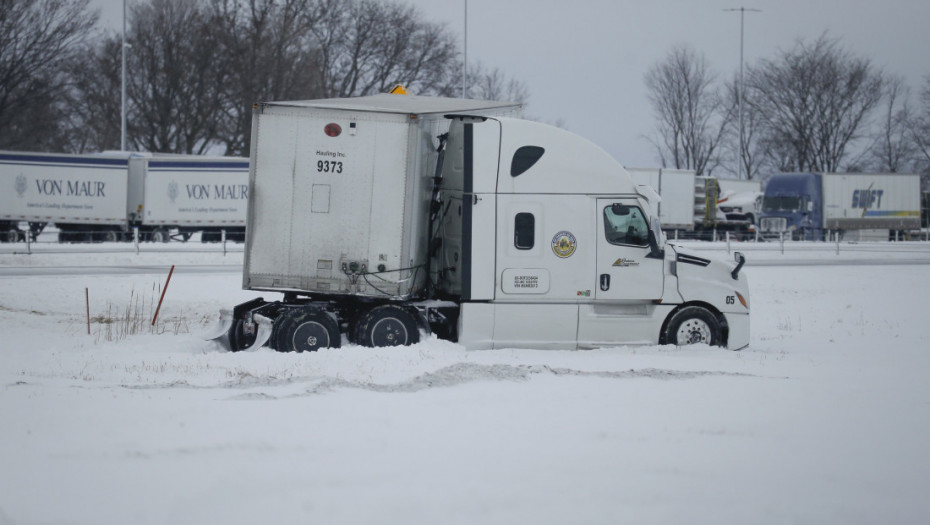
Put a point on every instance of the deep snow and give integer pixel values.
(825, 418)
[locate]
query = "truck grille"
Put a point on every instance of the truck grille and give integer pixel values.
(773, 224)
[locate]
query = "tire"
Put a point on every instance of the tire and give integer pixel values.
(11, 235)
(112, 236)
(388, 325)
(305, 330)
(693, 325)
(160, 236)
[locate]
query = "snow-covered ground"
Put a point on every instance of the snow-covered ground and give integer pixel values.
(825, 418)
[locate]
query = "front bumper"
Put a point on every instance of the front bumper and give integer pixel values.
(738, 337)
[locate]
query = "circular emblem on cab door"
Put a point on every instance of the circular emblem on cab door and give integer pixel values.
(563, 244)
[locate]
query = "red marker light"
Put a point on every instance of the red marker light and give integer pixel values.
(332, 129)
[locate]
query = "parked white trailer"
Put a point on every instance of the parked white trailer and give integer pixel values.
(102, 197)
(375, 222)
(86, 196)
(191, 194)
(676, 188)
(690, 203)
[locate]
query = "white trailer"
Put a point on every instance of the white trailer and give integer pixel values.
(376, 224)
(188, 194)
(676, 188)
(86, 196)
(102, 197)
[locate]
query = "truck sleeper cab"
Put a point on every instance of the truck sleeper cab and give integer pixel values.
(527, 236)
(576, 260)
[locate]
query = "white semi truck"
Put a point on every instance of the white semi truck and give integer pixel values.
(102, 197)
(378, 217)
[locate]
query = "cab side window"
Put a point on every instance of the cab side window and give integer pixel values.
(625, 225)
(524, 231)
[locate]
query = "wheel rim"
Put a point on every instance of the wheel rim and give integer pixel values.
(389, 332)
(693, 331)
(309, 337)
(111, 236)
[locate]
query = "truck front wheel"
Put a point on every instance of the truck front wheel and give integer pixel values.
(693, 325)
(388, 325)
(305, 330)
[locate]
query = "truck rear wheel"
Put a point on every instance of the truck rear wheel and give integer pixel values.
(388, 325)
(305, 330)
(693, 325)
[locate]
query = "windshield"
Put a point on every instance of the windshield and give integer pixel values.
(781, 203)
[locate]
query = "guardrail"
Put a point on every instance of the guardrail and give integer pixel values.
(49, 242)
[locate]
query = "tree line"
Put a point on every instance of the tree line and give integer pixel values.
(196, 67)
(815, 107)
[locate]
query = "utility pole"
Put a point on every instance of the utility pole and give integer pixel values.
(742, 18)
(465, 52)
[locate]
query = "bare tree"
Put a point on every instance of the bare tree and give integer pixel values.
(691, 114)
(815, 100)
(919, 127)
(176, 76)
(367, 47)
(273, 58)
(754, 152)
(38, 38)
(893, 149)
(489, 84)
(94, 109)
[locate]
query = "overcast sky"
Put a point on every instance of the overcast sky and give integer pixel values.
(583, 61)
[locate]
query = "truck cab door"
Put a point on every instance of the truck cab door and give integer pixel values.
(625, 269)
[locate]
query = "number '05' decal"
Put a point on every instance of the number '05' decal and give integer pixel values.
(731, 299)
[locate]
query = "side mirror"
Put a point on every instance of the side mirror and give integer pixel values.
(740, 261)
(654, 251)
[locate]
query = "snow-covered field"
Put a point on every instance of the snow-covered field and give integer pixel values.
(825, 418)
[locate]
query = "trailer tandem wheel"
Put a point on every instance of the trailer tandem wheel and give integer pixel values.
(305, 330)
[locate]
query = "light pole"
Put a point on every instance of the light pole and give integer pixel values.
(465, 52)
(122, 129)
(742, 17)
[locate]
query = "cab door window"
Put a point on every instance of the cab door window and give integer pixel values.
(625, 225)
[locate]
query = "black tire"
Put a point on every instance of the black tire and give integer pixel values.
(160, 236)
(305, 330)
(11, 235)
(388, 325)
(693, 325)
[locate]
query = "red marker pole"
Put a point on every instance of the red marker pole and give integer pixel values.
(165, 289)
